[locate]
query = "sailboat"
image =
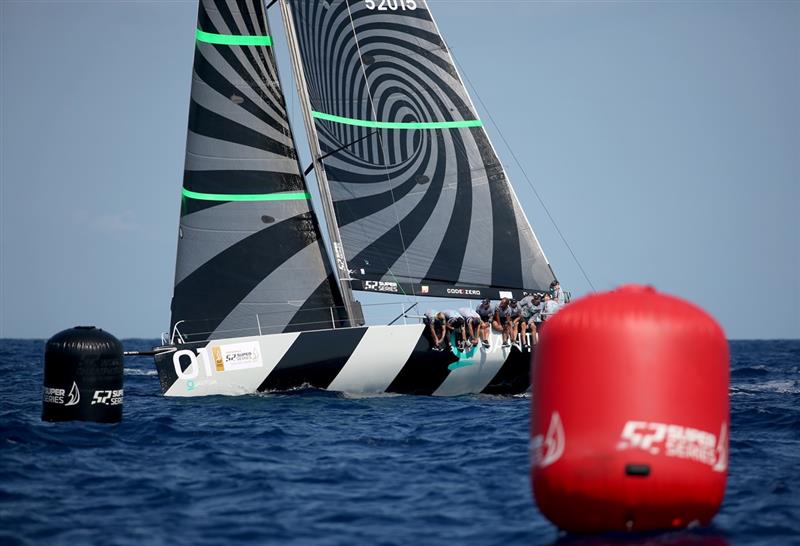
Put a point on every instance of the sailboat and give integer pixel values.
(415, 201)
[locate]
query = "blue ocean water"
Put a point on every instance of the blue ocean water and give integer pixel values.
(322, 468)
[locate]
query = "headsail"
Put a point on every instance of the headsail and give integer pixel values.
(421, 200)
(250, 255)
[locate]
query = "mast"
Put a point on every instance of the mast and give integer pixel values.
(342, 270)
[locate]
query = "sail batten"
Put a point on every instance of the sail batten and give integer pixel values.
(231, 39)
(250, 254)
(420, 196)
(276, 196)
(398, 124)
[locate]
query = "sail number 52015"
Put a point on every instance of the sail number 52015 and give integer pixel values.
(393, 5)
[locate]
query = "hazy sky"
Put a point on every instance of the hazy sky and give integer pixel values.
(663, 137)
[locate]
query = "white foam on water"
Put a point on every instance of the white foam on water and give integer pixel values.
(779, 386)
(360, 395)
(137, 371)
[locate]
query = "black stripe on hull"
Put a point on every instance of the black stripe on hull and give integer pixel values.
(166, 370)
(514, 376)
(425, 370)
(315, 358)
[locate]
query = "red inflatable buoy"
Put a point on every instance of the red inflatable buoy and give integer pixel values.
(630, 414)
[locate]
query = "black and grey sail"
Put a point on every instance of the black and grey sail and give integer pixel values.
(250, 256)
(422, 202)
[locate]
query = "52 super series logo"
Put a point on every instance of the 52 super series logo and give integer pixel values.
(677, 441)
(108, 398)
(381, 286)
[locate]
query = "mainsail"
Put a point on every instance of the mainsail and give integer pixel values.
(250, 256)
(422, 202)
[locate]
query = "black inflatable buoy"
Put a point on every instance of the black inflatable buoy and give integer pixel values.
(82, 376)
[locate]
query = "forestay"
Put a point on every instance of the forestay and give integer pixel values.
(250, 256)
(421, 200)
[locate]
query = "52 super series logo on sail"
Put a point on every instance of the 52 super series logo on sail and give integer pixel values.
(381, 286)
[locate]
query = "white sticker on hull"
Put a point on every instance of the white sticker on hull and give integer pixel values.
(237, 356)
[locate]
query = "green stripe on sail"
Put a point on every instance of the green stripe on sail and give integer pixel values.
(285, 196)
(398, 124)
(229, 39)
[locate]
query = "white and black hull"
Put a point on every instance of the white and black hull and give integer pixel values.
(368, 360)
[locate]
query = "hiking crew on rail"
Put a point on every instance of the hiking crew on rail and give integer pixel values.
(518, 322)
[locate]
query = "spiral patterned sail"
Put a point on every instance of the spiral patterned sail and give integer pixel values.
(250, 256)
(422, 202)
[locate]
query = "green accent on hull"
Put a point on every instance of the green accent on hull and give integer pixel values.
(460, 364)
(229, 39)
(465, 358)
(397, 124)
(287, 196)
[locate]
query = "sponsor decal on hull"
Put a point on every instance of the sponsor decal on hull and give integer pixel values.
(237, 356)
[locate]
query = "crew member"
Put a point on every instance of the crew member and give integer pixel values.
(437, 330)
(531, 318)
(486, 311)
(557, 293)
(549, 308)
(514, 316)
(455, 325)
(500, 319)
(473, 325)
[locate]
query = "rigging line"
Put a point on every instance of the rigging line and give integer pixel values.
(401, 315)
(339, 149)
(522, 169)
(380, 139)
